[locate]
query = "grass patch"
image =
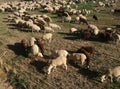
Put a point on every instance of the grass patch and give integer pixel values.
(18, 81)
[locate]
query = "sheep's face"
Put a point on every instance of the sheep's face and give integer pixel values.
(103, 78)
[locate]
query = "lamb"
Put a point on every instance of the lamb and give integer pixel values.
(114, 72)
(48, 37)
(35, 51)
(77, 57)
(61, 60)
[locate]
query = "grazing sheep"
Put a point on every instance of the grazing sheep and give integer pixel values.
(77, 57)
(54, 26)
(94, 29)
(34, 27)
(73, 30)
(40, 45)
(35, 51)
(88, 51)
(115, 72)
(48, 37)
(86, 34)
(61, 53)
(83, 19)
(61, 60)
(67, 18)
(32, 41)
(57, 53)
(24, 44)
(48, 29)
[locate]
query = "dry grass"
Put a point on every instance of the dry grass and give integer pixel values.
(24, 73)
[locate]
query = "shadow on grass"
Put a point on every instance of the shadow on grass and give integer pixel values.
(90, 74)
(17, 49)
(70, 36)
(39, 65)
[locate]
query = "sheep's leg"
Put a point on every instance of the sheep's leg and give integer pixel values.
(111, 79)
(49, 69)
(54, 68)
(118, 78)
(65, 66)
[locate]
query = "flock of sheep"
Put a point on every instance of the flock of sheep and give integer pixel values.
(43, 23)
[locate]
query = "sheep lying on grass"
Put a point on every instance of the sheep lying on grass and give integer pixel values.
(112, 73)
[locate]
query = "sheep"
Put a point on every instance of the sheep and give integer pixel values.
(83, 19)
(47, 18)
(67, 18)
(61, 60)
(85, 34)
(48, 29)
(40, 45)
(116, 37)
(34, 27)
(77, 57)
(35, 51)
(24, 44)
(48, 37)
(88, 51)
(73, 30)
(94, 29)
(54, 26)
(32, 41)
(62, 53)
(112, 73)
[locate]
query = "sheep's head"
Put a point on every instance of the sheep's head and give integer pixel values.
(103, 78)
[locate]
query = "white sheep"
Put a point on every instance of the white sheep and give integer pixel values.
(32, 41)
(94, 29)
(115, 72)
(78, 57)
(48, 29)
(34, 27)
(72, 30)
(54, 26)
(61, 53)
(48, 37)
(61, 60)
(35, 51)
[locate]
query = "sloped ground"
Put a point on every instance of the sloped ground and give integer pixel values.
(26, 73)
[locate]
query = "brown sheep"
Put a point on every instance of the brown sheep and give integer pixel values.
(40, 45)
(24, 44)
(88, 51)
